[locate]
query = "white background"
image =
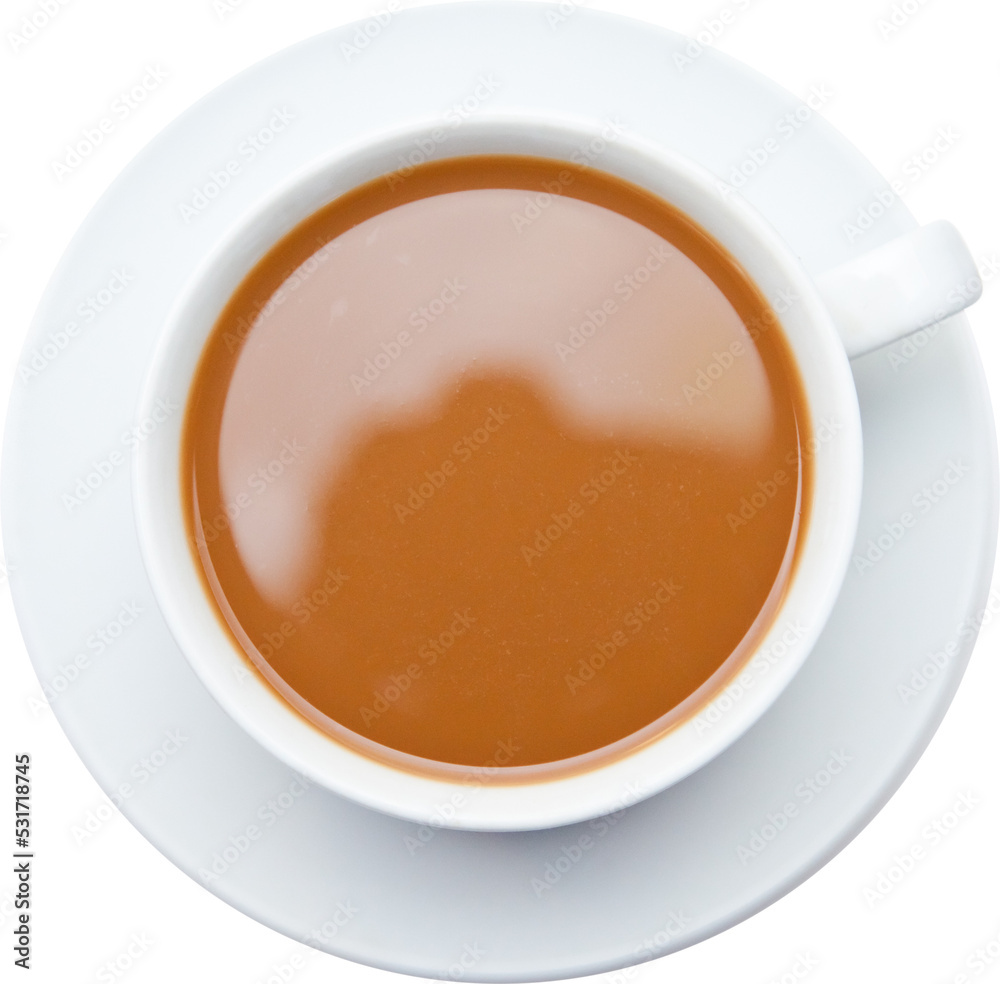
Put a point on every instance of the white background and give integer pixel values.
(891, 94)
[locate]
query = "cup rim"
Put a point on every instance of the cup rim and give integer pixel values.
(535, 802)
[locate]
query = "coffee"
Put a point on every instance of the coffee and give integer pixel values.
(496, 461)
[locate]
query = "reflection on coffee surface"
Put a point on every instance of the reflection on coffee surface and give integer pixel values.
(502, 455)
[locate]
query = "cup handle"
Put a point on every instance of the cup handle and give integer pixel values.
(909, 283)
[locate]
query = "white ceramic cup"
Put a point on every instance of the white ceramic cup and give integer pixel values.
(895, 289)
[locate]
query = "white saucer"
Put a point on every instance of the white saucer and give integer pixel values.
(662, 875)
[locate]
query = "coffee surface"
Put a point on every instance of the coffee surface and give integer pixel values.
(497, 462)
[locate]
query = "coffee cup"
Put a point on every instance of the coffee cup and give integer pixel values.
(819, 323)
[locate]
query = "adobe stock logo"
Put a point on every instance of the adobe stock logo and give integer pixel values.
(31, 25)
(369, 31)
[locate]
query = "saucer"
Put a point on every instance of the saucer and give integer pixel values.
(596, 896)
